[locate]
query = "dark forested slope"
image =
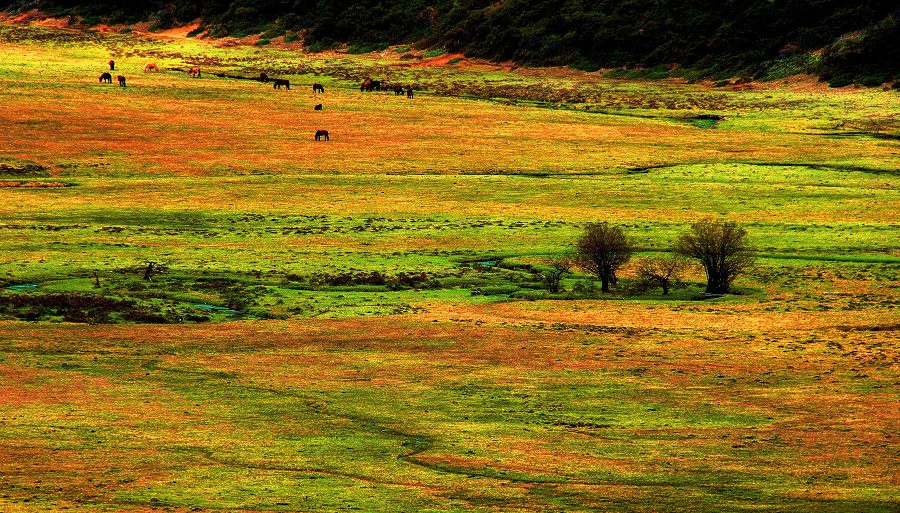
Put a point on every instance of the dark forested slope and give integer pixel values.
(753, 38)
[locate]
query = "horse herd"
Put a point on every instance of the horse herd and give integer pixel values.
(368, 85)
(193, 72)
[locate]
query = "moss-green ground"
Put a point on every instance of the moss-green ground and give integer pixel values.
(328, 391)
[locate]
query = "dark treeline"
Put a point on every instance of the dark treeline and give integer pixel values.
(708, 37)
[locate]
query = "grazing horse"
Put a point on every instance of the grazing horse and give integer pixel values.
(398, 90)
(318, 88)
(112, 65)
(281, 82)
(318, 107)
(121, 80)
(264, 77)
(151, 67)
(106, 77)
(409, 92)
(194, 72)
(321, 133)
(370, 85)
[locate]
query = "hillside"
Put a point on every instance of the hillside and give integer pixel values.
(842, 42)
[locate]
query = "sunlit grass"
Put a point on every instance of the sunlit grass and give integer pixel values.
(465, 387)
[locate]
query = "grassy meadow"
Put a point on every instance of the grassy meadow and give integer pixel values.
(359, 324)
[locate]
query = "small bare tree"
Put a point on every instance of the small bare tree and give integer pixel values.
(721, 247)
(661, 272)
(602, 250)
(557, 268)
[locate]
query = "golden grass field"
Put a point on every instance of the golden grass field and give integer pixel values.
(247, 377)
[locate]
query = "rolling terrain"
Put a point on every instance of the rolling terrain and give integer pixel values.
(360, 324)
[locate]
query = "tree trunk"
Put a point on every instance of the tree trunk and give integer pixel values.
(665, 287)
(604, 284)
(716, 285)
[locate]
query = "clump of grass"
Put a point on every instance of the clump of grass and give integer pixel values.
(290, 38)
(272, 33)
(359, 48)
(263, 42)
(196, 32)
(434, 52)
(321, 46)
(655, 73)
(790, 65)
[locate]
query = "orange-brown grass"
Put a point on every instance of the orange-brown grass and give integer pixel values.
(710, 412)
(780, 398)
(167, 123)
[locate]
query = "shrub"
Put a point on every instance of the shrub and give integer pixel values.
(585, 288)
(661, 272)
(557, 268)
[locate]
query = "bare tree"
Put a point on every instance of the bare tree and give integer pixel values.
(558, 267)
(602, 250)
(661, 272)
(721, 247)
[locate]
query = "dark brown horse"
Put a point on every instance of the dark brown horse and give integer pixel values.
(318, 107)
(264, 77)
(106, 77)
(121, 80)
(409, 92)
(398, 90)
(370, 85)
(320, 134)
(278, 82)
(318, 88)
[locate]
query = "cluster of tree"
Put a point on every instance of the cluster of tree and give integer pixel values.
(731, 38)
(720, 247)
